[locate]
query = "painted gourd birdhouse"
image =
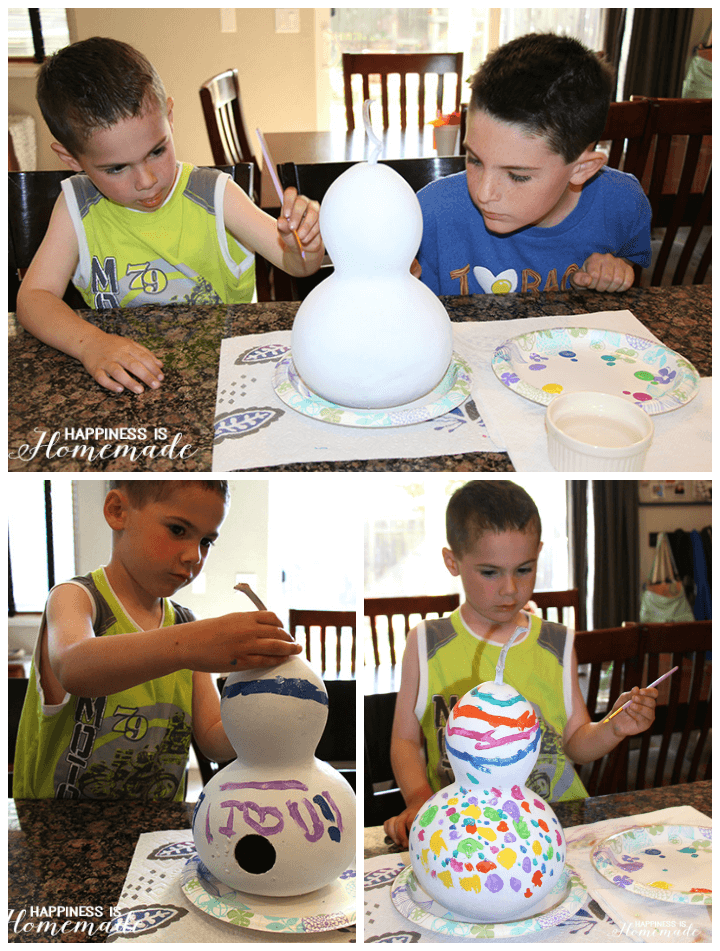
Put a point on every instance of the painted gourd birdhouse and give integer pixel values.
(487, 848)
(277, 821)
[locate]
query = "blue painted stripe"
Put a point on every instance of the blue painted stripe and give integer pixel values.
(283, 686)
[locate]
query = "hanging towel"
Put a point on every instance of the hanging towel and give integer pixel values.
(702, 608)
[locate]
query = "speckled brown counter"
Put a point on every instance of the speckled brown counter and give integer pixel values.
(49, 393)
(582, 812)
(76, 854)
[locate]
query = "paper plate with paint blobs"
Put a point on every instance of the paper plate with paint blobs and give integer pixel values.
(561, 903)
(542, 364)
(666, 862)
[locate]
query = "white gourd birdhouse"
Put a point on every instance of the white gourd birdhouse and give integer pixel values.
(277, 821)
(488, 848)
(371, 335)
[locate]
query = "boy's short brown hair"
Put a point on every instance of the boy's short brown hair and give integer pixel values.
(551, 86)
(142, 491)
(92, 85)
(488, 505)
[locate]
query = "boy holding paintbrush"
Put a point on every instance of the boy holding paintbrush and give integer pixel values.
(493, 533)
(121, 675)
(137, 227)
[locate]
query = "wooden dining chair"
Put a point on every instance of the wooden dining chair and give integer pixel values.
(626, 136)
(675, 749)
(614, 666)
(31, 199)
(324, 620)
(406, 608)
(402, 64)
(559, 600)
(381, 795)
(225, 123)
(313, 180)
(678, 183)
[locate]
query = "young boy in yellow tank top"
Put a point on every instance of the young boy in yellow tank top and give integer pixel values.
(493, 533)
(117, 683)
(106, 106)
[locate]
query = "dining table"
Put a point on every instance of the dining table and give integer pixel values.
(338, 145)
(71, 876)
(60, 419)
(586, 824)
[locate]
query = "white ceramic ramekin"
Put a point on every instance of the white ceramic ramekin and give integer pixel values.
(597, 432)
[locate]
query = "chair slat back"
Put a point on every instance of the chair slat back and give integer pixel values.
(639, 654)
(628, 134)
(547, 600)
(678, 181)
(406, 607)
(402, 64)
(225, 123)
(31, 199)
(324, 620)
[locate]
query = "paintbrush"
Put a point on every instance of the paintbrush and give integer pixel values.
(653, 684)
(276, 182)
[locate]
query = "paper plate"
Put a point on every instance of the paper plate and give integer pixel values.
(326, 909)
(413, 903)
(669, 863)
(453, 389)
(544, 363)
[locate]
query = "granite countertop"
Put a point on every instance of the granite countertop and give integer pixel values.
(594, 809)
(76, 854)
(51, 397)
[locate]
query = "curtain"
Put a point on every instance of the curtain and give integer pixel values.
(577, 537)
(617, 553)
(615, 18)
(658, 51)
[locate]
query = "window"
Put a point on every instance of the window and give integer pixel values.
(36, 33)
(405, 533)
(474, 31)
(41, 547)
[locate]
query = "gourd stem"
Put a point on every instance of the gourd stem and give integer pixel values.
(500, 668)
(369, 131)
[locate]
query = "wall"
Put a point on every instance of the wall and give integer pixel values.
(666, 518)
(277, 71)
(241, 548)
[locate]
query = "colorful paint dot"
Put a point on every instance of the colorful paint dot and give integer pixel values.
(553, 388)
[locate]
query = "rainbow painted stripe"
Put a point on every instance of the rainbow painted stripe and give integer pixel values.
(526, 726)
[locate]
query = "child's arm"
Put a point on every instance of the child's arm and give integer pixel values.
(604, 272)
(207, 723)
(256, 230)
(84, 665)
(585, 742)
(407, 753)
(109, 359)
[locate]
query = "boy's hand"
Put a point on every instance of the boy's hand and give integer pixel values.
(111, 359)
(242, 641)
(416, 268)
(604, 272)
(398, 827)
(638, 716)
(300, 214)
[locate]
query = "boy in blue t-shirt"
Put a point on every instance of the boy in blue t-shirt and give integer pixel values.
(535, 209)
